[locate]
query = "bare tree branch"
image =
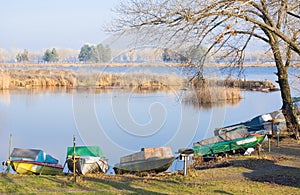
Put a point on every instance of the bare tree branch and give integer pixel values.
(225, 28)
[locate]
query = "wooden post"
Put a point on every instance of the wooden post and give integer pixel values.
(272, 127)
(9, 157)
(277, 138)
(258, 148)
(269, 143)
(74, 160)
(9, 148)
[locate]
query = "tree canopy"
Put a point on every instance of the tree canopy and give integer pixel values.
(92, 53)
(22, 56)
(50, 55)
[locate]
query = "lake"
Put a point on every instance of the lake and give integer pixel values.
(119, 121)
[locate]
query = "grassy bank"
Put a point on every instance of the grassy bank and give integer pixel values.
(277, 172)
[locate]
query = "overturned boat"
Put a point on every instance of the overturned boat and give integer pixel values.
(157, 159)
(33, 161)
(88, 159)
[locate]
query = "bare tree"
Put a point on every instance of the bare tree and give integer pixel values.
(67, 54)
(225, 27)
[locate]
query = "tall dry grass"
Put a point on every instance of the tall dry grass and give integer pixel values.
(70, 79)
(213, 96)
(140, 82)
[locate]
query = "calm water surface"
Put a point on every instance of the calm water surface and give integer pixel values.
(120, 122)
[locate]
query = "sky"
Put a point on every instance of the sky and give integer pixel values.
(38, 24)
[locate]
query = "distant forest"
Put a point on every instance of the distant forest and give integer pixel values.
(104, 54)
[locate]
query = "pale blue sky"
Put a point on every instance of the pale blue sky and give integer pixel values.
(40, 24)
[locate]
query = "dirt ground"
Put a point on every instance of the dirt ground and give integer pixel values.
(280, 165)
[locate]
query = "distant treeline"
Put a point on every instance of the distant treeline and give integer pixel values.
(104, 53)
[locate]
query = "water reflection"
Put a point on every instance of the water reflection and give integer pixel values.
(5, 97)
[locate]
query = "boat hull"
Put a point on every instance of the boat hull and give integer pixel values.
(150, 165)
(36, 168)
(88, 165)
(230, 145)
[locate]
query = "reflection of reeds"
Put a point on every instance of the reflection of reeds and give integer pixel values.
(4, 80)
(5, 97)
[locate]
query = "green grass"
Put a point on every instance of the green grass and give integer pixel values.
(226, 180)
(277, 172)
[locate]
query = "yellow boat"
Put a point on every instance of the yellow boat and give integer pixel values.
(33, 161)
(37, 168)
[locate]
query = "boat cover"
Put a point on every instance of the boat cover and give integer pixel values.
(85, 151)
(229, 145)
(32, 155)
(224, 134)
(147, 153)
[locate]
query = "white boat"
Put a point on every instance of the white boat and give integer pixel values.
(88, 159)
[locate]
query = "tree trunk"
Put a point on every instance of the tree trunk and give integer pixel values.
(288, 108)
(287, 103)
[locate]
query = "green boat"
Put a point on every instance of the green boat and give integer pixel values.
(244, 143)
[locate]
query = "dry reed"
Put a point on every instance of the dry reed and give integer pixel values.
(213, 96)
(70, 79)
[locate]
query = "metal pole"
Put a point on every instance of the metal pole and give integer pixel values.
(74, 160)
(185, 159)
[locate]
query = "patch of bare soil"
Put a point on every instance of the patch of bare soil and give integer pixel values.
(279, 166)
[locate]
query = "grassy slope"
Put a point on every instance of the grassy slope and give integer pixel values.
(275, 173)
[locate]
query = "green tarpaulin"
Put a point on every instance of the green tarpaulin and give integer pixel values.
(85, 151)
(221, 147)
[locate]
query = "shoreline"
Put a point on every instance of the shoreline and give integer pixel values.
(133, 64)
(275, 172)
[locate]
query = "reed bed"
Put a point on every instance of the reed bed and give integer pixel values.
(205, 93)
(70, 79)
(207, 97)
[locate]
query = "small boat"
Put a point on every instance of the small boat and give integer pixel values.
(269, 123)
(88, 159)
(157, 159)
(220, 147)
(226, 133)
(33, 161)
